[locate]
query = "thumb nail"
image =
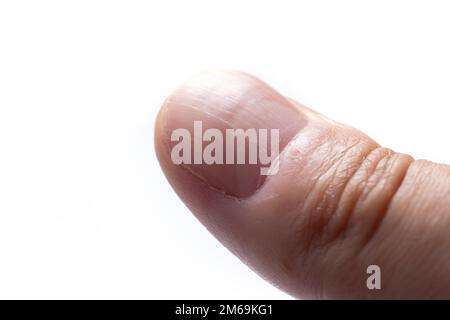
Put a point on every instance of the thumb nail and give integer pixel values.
(228, 128)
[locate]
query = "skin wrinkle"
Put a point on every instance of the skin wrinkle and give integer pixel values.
(381, 161)
(304, 245)
(388, 201)
(339, 160)
(412, 193)
(311, 218)
(325, 208)
(346, 215)
(359, 195)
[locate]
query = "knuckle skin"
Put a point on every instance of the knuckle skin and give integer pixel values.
(367, 196)
(345, 207)
(354, 191)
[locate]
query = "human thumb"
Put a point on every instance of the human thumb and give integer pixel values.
(313, 206)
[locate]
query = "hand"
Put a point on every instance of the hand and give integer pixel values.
(337, 204)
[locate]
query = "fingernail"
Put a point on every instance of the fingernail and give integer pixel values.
(228, 129)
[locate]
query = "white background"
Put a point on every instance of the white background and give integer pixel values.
(85, 211)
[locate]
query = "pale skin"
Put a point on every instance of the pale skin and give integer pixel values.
(339, 202)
